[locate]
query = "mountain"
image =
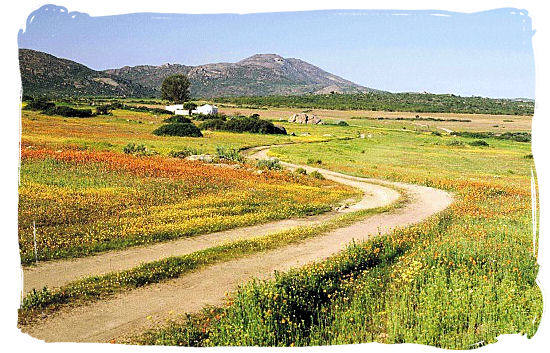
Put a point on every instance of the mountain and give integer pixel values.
(45, 74)
(261, 74)
(258, 75)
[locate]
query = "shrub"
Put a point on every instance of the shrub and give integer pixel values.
(301, 171)
(177, 119)
(317, 175)
(230, 154)
(478, 143)
(185, 152)
(213, 124)
(39, 104)
(271, 164)
(342, 123)
(103, 110)
(177, 129)
(203, 117)
(455, 143)
(68, 112)
(436, 133)
(139, 150)
(243, 124)
(528, 156)
(314, 161)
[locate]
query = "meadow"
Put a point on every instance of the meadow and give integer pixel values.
(457, 280)
(83, 195)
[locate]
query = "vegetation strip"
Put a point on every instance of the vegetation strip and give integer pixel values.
(404, 102)
(100, 287)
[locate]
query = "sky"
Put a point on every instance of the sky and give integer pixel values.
(485, 54)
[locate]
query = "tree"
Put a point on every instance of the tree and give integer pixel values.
(189, 106)
(175, 88)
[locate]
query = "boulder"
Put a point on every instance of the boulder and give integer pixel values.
(303, 118)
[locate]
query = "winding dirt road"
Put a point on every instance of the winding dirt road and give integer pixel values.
(138, 309)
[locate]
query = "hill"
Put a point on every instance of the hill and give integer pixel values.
(261, 74)
(45, 74)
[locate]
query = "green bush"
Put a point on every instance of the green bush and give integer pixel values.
(139, 150)
(478, 143)
(243, 124)
(342, 123)
(455, 143)
(213, 124)
(103, 110)
(301, 171)
(177, 119)
(317, 175)
(314, 161)
(204, 117)
(185, 152)
(39, 104)
(271, 164)
(178, 130)
(229, 154)
(68, 112)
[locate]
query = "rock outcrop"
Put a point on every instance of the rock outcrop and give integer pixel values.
(303, 118)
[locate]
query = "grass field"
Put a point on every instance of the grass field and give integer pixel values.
(84, 195)
(456, 280)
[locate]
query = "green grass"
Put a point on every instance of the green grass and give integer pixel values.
(457, 280)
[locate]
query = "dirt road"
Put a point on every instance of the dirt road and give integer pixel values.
(138, 309)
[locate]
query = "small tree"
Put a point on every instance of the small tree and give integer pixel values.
(189, 106)
(175, 88)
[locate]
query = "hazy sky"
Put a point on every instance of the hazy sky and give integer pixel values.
(486, 53)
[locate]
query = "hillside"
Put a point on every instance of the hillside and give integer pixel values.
(45, 74)
(261, 74)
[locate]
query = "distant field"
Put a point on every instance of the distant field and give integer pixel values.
(479, 122)
(409, 102)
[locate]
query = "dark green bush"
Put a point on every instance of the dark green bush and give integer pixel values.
(103, 110)
(314, 161)
(139, 150)
(203, 117)
(68, 112)
(342, 123)
(478, 143)
(39, 104)
(177, 119)
(300, 171)
(271, 164)
(213, 124)
(243, 124)
(317, 175)
(185, 152)
(178, 130)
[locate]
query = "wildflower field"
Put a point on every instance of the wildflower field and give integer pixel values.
(82, 201)
(456, 280)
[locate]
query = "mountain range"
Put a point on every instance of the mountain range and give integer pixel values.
(258, 75)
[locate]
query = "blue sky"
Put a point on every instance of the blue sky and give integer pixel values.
(485, 54)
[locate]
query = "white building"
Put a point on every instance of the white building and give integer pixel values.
(207, 109)
(177, 109)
